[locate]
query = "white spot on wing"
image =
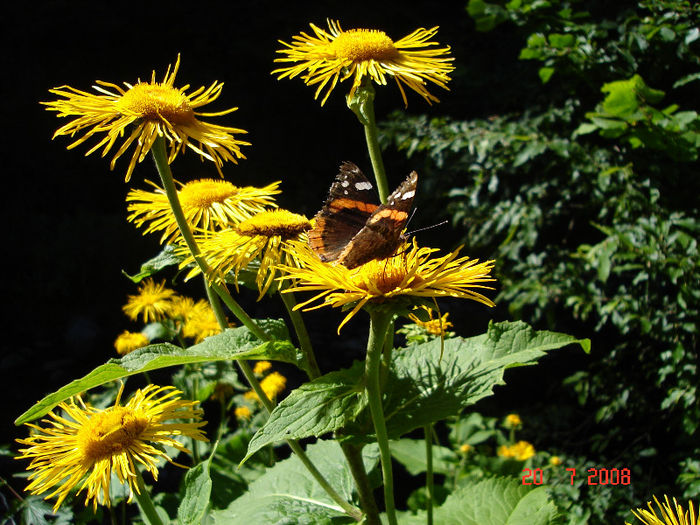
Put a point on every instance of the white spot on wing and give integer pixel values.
(408, 195)
(344, 183)
(363, 186)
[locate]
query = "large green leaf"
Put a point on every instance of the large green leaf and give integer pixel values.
(411, 454)
(422, 388)
(234, 343)
(498, 501)
(322, 405)
(287, 494)
(197, 494)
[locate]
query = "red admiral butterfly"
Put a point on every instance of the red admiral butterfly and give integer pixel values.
(350, 229)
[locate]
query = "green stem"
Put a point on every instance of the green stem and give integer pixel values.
(289, 301)
(166, 177)
(353, 454)
(362, 104)
(379, 322)
(429, 487)
(145, 502)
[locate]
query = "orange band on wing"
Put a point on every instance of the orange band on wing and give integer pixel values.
(343, 204)
(394, 215)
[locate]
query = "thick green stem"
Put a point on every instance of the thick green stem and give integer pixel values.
(166, 177)
(429, 482)
(145, 502)
(379, 322)
(302, 335)
(362, 104)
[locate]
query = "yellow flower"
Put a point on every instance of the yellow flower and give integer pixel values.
(261, 367)
(200, 322)
(555, 461)
(89, 444)
(153, 302)
(336, 55)
(208, 205)
(465, 448)
(670, 514)
(412, 274)
(156, 109)
(513, 421)
(264, 236)
(242, 412)
(434, 326)
(273, 385)
(127, 342)
(521, 451)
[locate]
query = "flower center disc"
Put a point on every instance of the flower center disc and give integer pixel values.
(383, 276)
(110, 432)
(203, 193)
(284, 223)
(157, 102)
(364, 44)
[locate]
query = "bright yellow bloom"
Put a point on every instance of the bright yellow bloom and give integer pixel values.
(242, 412)
(273, 385)
(465, 448)
(670, 514)
(264, 236)
(411, 274)
(153, 302)
(434, 326)
(521, 451)
(513, 421)
(89, 444)
(261, 367)
(127, 342)
(208, 205)
(155, 109)
(336, 55)
(200, 322)
(555, 461)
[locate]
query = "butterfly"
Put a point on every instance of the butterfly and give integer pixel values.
(351, 229)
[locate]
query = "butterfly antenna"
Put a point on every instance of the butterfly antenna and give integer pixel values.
(427, 227)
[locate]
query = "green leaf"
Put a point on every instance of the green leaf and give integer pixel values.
(485, 15)
(422, 388)
(322, 405)
(164, 259)
(287, 494)
(197, 491)
(545, 74)
(234, 343)
(497, 501)
(411, 454)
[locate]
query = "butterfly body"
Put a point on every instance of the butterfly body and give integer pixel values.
(351, 229)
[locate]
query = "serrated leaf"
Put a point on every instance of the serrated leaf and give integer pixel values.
(422, 388)
(497, 501)
(411, 454)
(197, 492)
(234, 343)
(323, 405)
(287, 494)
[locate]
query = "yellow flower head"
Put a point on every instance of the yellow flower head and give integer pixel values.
(434, 326)
(89, 444)
(127, 342)
(242, 412)
(200, 322)
(152, 303)
(521, 451)
(336, 55)
(208, 205)
(412, 273)
(273, 384)
(261, 367)
(264, 236)
(465, 448)
(513, 421)
(155, 109)
(555, 461)
(669, 514)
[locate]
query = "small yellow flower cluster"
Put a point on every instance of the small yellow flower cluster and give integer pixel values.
(521, 451)
(272, 385)
(513, 421)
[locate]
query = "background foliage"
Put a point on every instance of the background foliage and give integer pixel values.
(582, 182)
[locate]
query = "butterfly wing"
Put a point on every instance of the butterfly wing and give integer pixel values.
(347, 208)
(381, 235)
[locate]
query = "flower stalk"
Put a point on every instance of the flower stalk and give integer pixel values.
(429, 481)
(379, 323)
(143, 498)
